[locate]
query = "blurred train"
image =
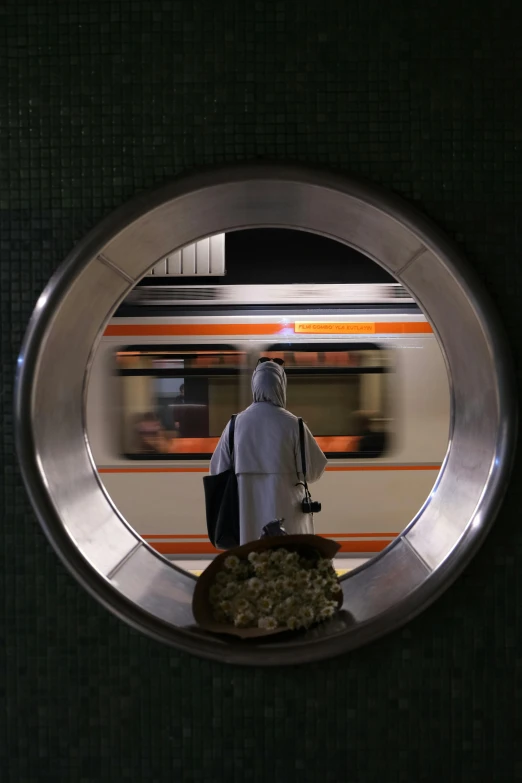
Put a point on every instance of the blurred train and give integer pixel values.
(364, 370)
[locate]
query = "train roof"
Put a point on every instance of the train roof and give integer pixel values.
(264, 269)
(258, 295)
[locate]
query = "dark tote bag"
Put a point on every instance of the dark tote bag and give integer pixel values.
(222, 502)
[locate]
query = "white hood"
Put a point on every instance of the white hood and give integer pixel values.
(269, 384)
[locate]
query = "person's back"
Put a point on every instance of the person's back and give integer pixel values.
(267, 458)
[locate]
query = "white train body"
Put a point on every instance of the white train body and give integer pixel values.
(366, 500)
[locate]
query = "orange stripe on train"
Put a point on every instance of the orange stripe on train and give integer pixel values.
(187, 537)
(202, 548)
(173, 330)
(333, 468)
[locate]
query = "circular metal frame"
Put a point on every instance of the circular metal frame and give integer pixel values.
(89, 534)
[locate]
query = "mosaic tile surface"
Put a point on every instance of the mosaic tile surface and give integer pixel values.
(100, 100)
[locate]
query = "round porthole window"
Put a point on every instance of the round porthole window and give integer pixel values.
(63, 415)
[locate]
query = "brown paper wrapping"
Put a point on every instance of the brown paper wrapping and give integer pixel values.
(306, 545)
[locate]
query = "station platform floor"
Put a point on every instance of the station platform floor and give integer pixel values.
(196, 565)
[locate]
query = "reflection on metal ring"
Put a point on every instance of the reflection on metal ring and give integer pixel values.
(107, 556)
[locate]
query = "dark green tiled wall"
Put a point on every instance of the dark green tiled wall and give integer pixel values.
(102, 99)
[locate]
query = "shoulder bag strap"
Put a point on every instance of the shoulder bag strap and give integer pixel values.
(302, 448)
(303, 457)
(231, 431)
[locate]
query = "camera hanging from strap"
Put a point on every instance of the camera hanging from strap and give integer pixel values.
(308, 506)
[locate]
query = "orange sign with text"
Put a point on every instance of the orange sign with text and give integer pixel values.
(311, 327)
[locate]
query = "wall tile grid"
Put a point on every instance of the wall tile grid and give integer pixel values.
(101, 100)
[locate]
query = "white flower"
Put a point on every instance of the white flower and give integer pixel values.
(232, 562)
(319, 580)
(230, 590)
(267, 623)
(310, 594)
(242, 572)
(284, 584)
(261, 568)
(307, 613)
(240, 604)
(326, 612)
(215, 593)
(275, 588)
(280, 613)
(242, 619)
(302, 578)
(254, 586)
(264, 603)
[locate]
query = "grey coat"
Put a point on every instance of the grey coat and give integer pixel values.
(267, 458)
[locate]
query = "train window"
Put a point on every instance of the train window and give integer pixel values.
(342, 394)
(176, 400)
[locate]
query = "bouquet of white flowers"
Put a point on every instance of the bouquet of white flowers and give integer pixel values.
(275, 584)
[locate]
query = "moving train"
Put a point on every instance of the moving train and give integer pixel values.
(364, 370)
